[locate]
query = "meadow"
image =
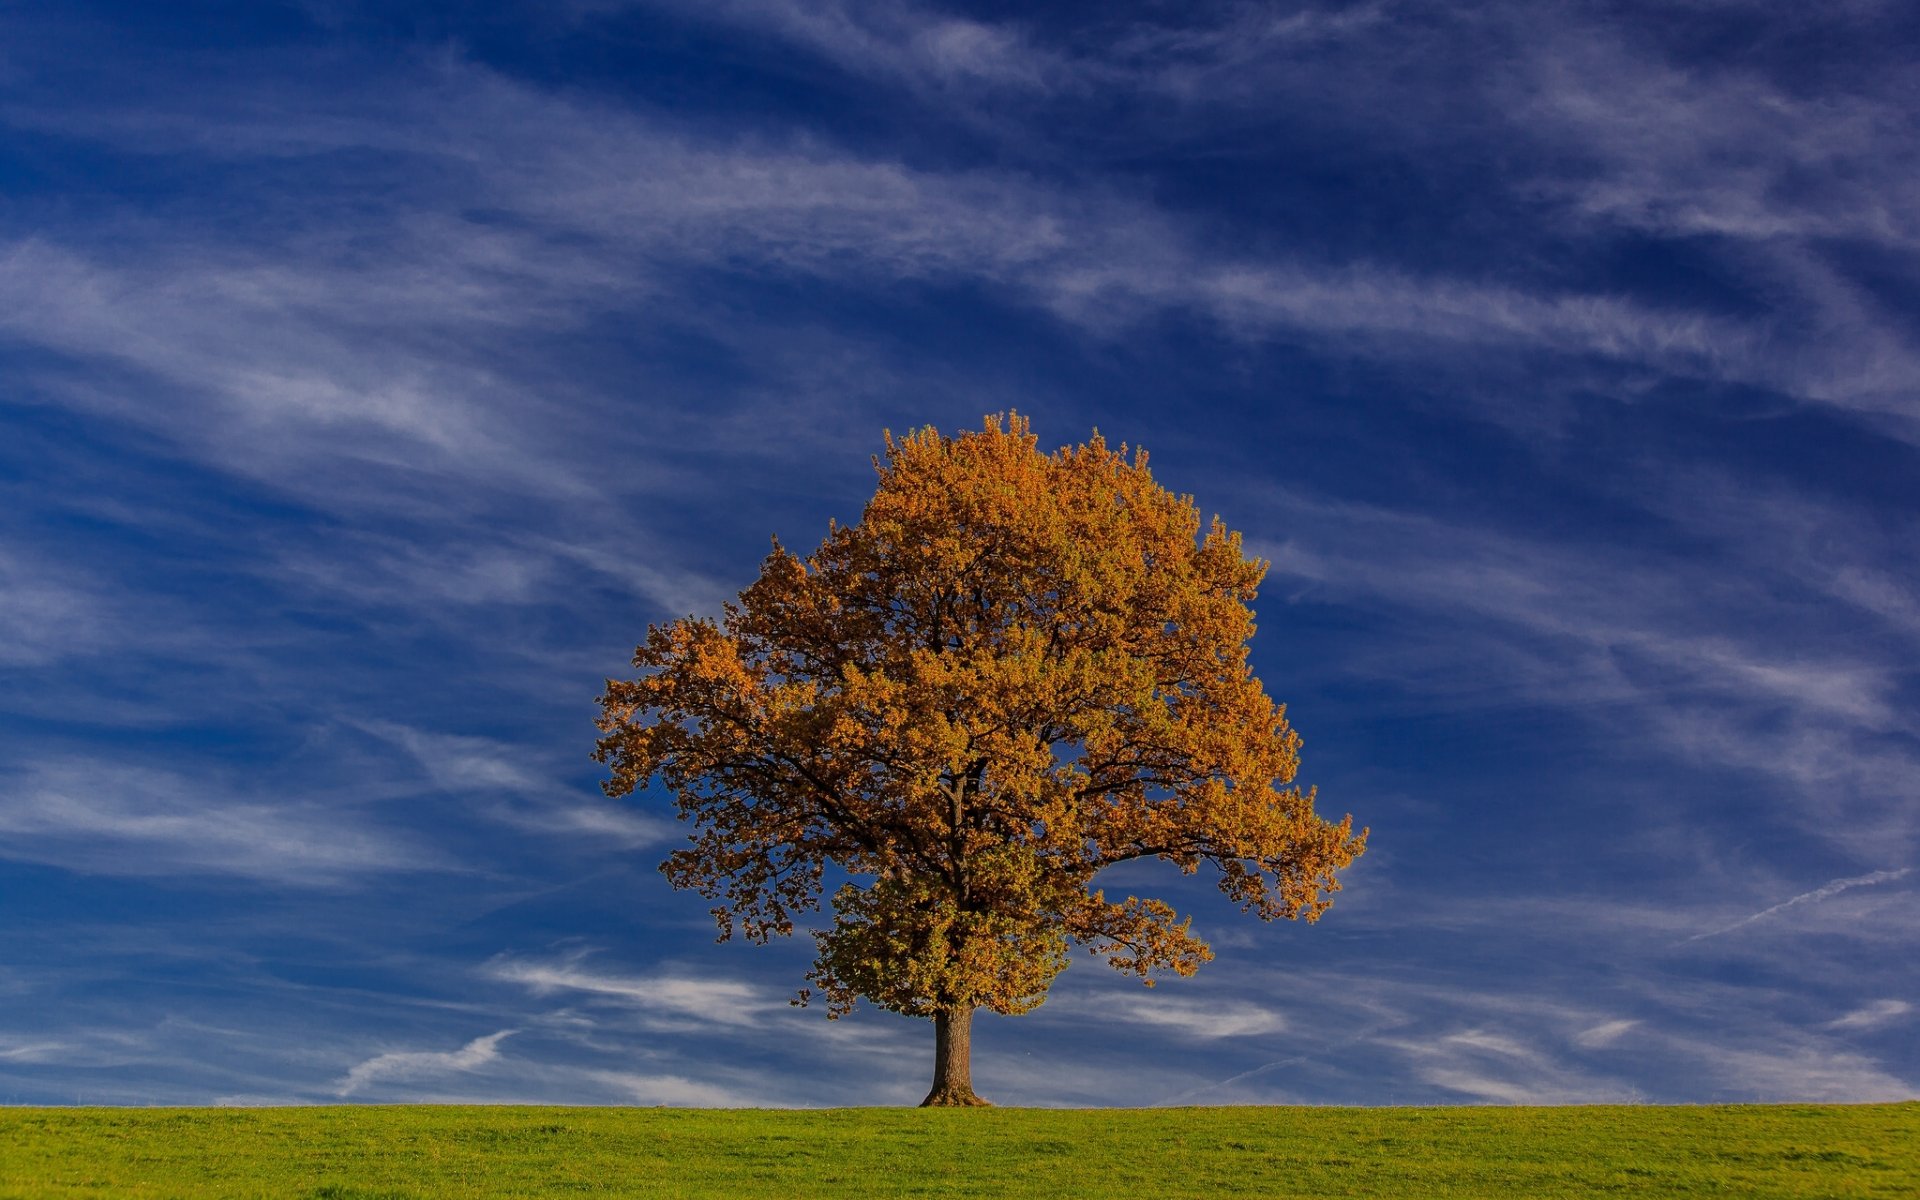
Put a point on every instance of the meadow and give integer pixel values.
(389, 1153)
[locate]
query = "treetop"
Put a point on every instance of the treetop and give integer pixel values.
(1016, 670)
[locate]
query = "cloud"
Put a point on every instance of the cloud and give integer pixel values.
(918, 47)
(1873, 1016)
(311, 381)
(601, 824)
(1804, 1073)
(1724, 669)
(1541, 1039)
(42, 618)
(357, 352)
(19, 1050)
(1611, 121)
(1654, 139)
(1500, 1068)
(1197, 1018)
(1604, 1034)
(414, 1065)
(1587, 598)
(672, 999)
(56, 609)
(1719, 149)
(676, 1090)
(455, 762)
(500, 779)
(1211, 57)
(146, 821)
(1825, 891)
(1802, 538)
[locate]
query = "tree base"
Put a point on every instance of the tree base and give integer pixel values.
(954, 1098)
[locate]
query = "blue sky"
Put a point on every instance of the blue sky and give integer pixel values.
(372, 374)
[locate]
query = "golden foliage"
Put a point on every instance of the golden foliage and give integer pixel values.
(1017, 669)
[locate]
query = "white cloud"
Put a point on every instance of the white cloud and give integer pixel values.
(43, 618)
(1729, 669)
(658, 998)
(603, 823)
(1604, 1034)
(1501, 1068)
(20, 1050)
(676, 1090)
(456, 762)
(1873, 1016)
(414, 1065)
(1630, 135)
(1720, 149)
(312, 381)
(1810, 1074)
(502, 781)
(1825, 891)
(55, 608)
(351, 354)
(1196, 1018)
(1662, 1038)
(137, 821)
(920, 48)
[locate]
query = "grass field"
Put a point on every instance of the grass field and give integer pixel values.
(367, 1153)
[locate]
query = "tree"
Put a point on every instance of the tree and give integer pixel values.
(1017, 670)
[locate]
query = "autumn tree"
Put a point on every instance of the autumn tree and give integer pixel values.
(1017, 670)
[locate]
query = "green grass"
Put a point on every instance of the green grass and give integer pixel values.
(366, 1153)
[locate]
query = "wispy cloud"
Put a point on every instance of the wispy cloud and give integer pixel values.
(920, 47)
(1500, 1068)
(513, 784)
(309, 368)
(1196, 1018)
(1721, 150)
(1872, 1016)
(648, 194)
(636, 1088)
(455, 761)
(43, 619)
(1719, 669)
(1807, 1073)
(1606, 1033)
(666, 998)
(1825, 891)
(412, 1066)
(1634, 136)
(1538, 1041)
(134, 821)
(21, 1050)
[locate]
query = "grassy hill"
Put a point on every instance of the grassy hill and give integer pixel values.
(370, 1153)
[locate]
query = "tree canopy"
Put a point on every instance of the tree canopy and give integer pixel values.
(1017, 670)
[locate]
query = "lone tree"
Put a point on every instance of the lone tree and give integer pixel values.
(1018, 669)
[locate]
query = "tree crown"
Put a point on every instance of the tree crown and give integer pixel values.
(1016, 670)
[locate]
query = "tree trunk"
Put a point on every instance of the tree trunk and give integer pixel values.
(953, 1060)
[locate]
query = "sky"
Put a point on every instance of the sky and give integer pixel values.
(372, 374)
